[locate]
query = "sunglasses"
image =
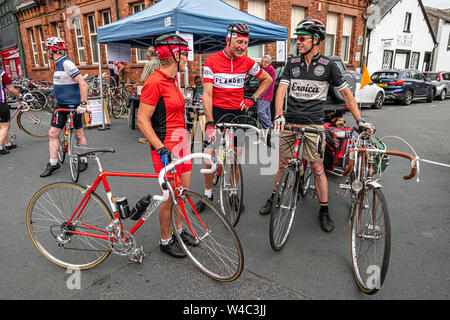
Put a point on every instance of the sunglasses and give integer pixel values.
(303, 39)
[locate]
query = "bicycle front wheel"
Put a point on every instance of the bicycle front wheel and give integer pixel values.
(217, 251)
(35, 123)
(283, 208)
(47, 215)
(231, 188)
(62, 147)
(370, 239)
(74, 160)
(306, 180)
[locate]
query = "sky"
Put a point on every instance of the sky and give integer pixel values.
(440, 4)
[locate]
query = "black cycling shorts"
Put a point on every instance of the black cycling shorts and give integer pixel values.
(59, 118)
(5, 114)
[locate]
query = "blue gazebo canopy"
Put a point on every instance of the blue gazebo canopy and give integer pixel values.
(205, 19)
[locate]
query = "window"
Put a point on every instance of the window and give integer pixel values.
(346, 37)
(43, 51)
(387, 59)
(407, 25)
(92, 27)
(297, 14)
(258, 9)
(446, 76)
(106, 18)
(448, 44)
(233, 3)
(331, 34)
(140, 53)
(33, 47)
(79, 41)
(415, 60)
(58, 31)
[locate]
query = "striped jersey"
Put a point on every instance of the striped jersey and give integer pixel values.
(67, 90)
(228, 77)
(5, 82)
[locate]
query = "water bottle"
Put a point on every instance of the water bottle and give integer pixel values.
(140, 207)
(122, 207)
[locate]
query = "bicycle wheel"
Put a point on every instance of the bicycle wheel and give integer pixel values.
(74, 160)
(283, 208)
(40, 101)
(217, 251)
(370, 239)
(62, 147)
(35, 123)
(306, 180)
(47, 215)
(231, 188)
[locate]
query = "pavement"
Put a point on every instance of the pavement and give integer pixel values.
(313, 265)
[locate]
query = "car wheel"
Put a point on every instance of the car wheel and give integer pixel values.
(442, 95)
(407, 98)
(379, 99)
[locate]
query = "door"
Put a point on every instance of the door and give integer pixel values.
(401, 60)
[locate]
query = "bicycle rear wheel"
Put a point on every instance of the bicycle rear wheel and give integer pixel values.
(217, 251)
(231, 188)
(35, 123)
(370, 239)
(47, 215)
(40, 100)
(283, 208)
(74, 160)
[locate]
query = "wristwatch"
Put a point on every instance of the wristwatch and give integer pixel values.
(83, 103)
(359, 121)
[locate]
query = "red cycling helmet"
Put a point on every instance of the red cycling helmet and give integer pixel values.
(55, 44)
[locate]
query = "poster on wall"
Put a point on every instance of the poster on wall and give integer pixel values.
(281, 51)
(189, 37)
(118, 52)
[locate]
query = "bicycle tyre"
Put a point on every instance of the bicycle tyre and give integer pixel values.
(41, 99)
(53, 205)
(306, 179)
(30, 127)
(283, 212)
(62, 147)
(74, 160)
(365, 242)
(218, 251)
(231, 197)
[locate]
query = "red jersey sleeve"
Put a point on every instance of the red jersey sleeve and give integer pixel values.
(208, 74)
(6, 80)
(254, 69)
(150, 92)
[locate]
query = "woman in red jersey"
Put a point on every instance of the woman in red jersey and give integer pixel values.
(161, 120)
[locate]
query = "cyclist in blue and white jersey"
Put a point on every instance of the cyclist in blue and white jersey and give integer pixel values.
(70, 92)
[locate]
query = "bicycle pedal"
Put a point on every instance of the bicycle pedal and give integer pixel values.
(138, 255)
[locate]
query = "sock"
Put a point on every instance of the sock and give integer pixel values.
(273, 194)
(1, 148)
(53, 162)
(165, 242)
(8, 144)
(208, 193)
(323, 207)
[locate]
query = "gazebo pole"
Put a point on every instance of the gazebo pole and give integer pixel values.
(103, 127)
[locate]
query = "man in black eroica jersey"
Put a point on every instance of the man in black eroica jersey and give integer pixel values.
(307, 79)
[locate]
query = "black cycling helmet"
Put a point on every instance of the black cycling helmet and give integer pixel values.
(313, 27)
(238, 28)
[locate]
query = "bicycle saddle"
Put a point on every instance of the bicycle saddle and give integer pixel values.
(82, 150)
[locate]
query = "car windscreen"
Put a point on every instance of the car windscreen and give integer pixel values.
(384, 75)
(432, 76)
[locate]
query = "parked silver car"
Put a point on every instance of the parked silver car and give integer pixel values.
(441, 79)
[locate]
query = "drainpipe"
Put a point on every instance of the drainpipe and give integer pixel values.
(20, 47)
(364, 38)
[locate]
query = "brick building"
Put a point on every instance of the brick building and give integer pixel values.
(39, 19)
